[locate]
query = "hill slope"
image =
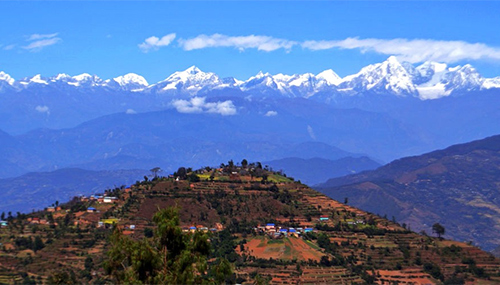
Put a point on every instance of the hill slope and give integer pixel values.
(235, 206)
(458, 187)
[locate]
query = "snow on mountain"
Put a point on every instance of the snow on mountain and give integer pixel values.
(61, 77)
(86, 80)
(128, 82)
(439, 80)
(430, 80)
(263, 81)
(490, 83)
(6, 81)
(190, 81)
(463, 78)
(37, 79)
(386, 77)
(329, 77)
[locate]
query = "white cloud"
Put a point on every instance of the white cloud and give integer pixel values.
(42, 109)
(417, 50)
(271, 113)
(130, 112)
(38, 41)
(198, 105)
(264, 43)
(34, 37)
(154, 43)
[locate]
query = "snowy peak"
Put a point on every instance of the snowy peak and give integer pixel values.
(329, 77)
(490, 83)
(37, 79)
(86, 80)
(128, 82)
(429, 80)
(438, 80)
(61, 77)
(463, 78)
(4, 77)
(191, 81)
(6, 81)
(389, 76)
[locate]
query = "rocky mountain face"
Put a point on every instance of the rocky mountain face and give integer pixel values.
(457, 187)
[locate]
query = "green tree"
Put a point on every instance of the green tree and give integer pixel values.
(38, 244)
(181, 173)
(169, 257)
(438, 229)
(154, 171)
(244, 163)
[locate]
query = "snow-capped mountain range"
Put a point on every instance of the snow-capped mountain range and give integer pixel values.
(430, 80)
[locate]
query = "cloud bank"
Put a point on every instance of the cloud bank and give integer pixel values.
(411, 50)
(155, 43)
(418, 50)
(39, 41)
(198, 105)
(263, 43)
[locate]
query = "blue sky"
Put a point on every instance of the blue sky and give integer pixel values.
(240, 39)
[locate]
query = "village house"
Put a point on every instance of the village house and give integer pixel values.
(323, 218)
(91, 209)
(109, 199)
(51, 209)
(270, 226)
(3, 224)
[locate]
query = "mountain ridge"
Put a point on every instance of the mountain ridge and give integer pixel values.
(430, 80)
(457, 186)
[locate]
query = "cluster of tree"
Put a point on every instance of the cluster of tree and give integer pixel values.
(29, 243)
(168, 257)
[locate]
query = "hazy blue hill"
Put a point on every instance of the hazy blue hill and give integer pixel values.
(169, 138)
(37, 190)
(317, 170)
(457, 187)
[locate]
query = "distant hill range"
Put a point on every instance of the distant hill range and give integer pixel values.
(317, 170)
(458, 187)
(34, 191)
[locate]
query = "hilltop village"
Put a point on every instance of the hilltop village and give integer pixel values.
(270, 228)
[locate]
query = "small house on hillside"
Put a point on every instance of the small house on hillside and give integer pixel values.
(91, 209)
(324, 218)
(3, 224)
(109, 199)
(270, 226)
(51, 209)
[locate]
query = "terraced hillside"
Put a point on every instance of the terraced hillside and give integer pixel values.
(269, 227)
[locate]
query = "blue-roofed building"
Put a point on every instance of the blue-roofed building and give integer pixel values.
(308, 230)
(3, 223)
(270, 226)
(91, 209)
(283, 232)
